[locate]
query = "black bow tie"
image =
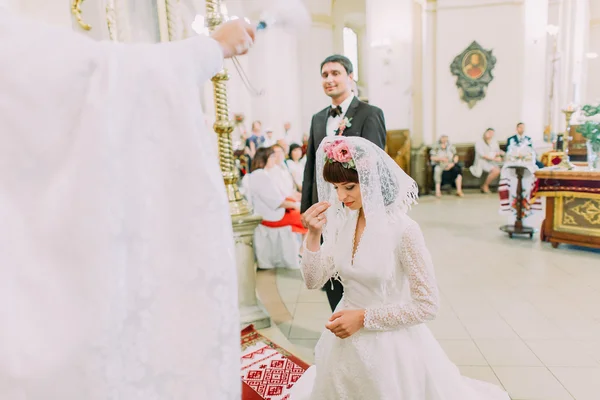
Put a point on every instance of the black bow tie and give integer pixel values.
(335, 111)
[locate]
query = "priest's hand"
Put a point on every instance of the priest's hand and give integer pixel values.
(235, 37)
(346, 323)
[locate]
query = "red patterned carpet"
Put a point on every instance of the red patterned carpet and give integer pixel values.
(268, 371)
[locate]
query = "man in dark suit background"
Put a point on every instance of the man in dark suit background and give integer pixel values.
(520, 138)
(366, 121)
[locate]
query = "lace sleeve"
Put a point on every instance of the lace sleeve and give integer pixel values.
(316, 268)
(418, 267)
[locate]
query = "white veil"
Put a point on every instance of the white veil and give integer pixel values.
(387, 194)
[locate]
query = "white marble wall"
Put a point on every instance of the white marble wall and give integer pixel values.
(592, 93)
(496, 25)
(535, 20)
(390, 75)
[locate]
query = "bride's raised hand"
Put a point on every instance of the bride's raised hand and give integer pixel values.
(346, 323)
(314, 218)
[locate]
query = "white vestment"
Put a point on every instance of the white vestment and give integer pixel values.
(117, 272)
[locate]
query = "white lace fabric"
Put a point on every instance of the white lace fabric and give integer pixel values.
(317, 269)
(417, 266)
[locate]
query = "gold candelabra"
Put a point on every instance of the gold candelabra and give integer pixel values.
(76, 10)
(566, 162)
(223, 125)
(244, 221)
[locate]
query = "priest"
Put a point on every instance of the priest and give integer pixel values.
(117, 273)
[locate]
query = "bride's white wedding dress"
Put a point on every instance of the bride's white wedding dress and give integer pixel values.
(391, 277)
(395, 356)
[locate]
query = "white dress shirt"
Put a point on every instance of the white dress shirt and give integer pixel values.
(333, 123)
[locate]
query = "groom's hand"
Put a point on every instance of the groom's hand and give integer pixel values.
(346, 323)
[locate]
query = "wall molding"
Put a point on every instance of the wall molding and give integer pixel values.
(322, 19)
(461, 4)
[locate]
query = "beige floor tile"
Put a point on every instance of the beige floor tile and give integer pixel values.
(507, 352)
(536, 328)
(489, 328)
(582, 383)
(580, 328)
(312, 310)
(312, 296)
(562, 353)
(531, 383)
(592, 347)
(448, 328)
(463, 352)
(305, 349)
(480, 373)
(307, 328)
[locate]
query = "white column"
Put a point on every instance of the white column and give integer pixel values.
(416, 134)
(534, 65)
(274, 70)
(429, 73)
(573, 44)
(580, 47)
(389, 33)
(312, 50)
(592, 86)
(565, 65)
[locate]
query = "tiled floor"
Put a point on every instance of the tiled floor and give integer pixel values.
(515, 312)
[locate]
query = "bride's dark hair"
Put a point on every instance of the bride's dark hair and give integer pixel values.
(335, 172)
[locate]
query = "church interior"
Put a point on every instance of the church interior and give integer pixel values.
(517, 256)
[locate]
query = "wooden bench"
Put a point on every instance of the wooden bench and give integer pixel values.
(466, 156)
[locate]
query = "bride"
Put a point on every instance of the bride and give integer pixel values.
(376, 345)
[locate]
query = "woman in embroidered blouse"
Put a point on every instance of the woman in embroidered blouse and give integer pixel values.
(488, 158)
(376, 345)
(445, 166)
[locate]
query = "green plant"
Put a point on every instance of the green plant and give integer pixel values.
(590, 128)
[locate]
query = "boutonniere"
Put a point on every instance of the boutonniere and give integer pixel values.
(343, 125)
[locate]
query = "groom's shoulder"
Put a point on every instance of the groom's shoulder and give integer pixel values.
(321, 113)
(369, 108)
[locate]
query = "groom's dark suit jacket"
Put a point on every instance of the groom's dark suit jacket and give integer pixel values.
(367, 121)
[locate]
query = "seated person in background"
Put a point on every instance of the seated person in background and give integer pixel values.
(276, 209)
(488, 158)
(519, 138)
(255, 140)
(282, 176)
(296, 164)
(269, 138)
(284, 145)
(445, 167)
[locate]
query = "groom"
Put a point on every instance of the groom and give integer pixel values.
(347, 116)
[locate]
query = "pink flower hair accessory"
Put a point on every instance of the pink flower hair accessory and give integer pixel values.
(339, 151)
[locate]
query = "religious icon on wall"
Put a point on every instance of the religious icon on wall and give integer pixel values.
(473, 71)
